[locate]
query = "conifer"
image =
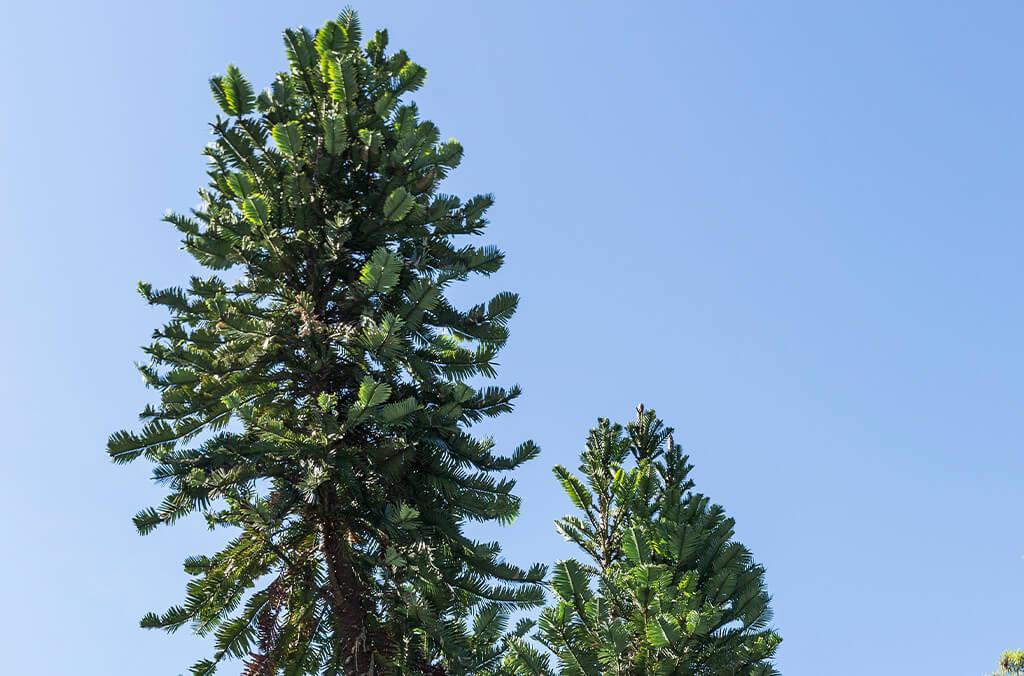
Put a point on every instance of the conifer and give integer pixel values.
(317, 387)
(663, 588)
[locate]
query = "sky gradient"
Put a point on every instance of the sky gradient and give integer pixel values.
(793, 228)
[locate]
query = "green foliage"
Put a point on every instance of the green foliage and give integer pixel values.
(665, 589)
(1011, 663)
(316, 399)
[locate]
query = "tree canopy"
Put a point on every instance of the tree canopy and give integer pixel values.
(317, 388)
(318, 391)
(664, 588)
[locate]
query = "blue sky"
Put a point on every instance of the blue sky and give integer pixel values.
(793, 228)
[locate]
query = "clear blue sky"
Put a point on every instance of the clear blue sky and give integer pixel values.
(794, 228)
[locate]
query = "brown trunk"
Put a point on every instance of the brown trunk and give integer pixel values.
(349, 605)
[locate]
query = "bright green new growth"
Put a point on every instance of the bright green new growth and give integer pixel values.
(665, 588)
(1011, 663)
(347, 469)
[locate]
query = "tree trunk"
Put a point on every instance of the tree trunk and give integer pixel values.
(354, 643)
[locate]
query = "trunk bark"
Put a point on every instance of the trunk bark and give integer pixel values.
(349, 604)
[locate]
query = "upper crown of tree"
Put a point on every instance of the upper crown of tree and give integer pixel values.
(317, 396)
(665, 588)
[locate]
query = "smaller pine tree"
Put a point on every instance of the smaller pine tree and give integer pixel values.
(665, 588)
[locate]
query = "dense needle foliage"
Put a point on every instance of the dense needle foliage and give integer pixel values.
(316, 390)
(664, 589)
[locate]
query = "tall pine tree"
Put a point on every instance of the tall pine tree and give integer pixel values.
(317, 389)
(665, 589)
